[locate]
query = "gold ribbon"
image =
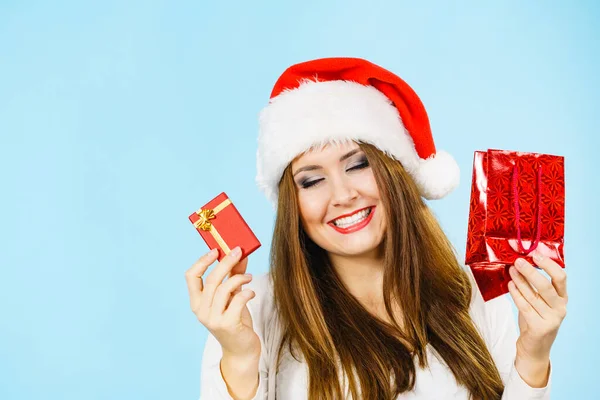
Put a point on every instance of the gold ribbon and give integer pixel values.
(204, 223)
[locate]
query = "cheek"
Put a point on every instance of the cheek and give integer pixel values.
(371, 190)
(369, 185)
(312, 208)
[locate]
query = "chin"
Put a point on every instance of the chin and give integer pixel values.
(360, 253)
(359, 246)
(355, 244)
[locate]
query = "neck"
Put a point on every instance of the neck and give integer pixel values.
(362, 275)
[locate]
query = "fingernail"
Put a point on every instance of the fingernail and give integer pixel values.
(236, 252)
(519, 263)
(538, 256)
(210, 253)
(248, 275)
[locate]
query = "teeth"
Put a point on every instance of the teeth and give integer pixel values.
(358, 217)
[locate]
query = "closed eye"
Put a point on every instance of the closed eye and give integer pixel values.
(362, 165)
(306, 185)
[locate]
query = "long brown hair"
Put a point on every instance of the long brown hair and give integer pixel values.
(333, 330)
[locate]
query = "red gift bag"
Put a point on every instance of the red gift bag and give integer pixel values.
(517, 206)
(222, 227)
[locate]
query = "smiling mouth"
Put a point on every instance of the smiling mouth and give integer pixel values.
(354, 219)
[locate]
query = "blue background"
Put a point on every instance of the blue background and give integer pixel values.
(119, 119)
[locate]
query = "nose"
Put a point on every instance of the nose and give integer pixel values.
(342, 193)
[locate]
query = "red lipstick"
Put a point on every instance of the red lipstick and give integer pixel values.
(355, 227)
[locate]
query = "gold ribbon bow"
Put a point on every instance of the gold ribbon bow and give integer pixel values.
(203, 222)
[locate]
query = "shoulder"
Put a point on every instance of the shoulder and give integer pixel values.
(262, 285)
(262, 305)
(491, 317)
(265, 319)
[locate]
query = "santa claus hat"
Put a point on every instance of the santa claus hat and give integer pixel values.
(333, 100)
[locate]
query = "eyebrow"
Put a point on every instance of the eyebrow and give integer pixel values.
(314, 167)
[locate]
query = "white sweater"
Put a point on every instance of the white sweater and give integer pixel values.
(493, 318)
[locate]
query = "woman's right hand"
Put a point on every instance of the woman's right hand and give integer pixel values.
(221, 306)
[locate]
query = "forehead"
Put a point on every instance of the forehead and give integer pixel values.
(328, 151)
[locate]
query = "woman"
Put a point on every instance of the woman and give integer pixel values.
(365, 298)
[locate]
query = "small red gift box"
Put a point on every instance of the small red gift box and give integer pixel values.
(222, 227)
(517, 206)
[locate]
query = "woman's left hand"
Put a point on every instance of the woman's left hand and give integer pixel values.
(542, 305)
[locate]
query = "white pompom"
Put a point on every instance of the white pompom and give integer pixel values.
(437, 176)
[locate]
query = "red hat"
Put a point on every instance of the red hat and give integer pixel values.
(333, 100)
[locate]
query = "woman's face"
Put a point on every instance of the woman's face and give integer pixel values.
(339, 200)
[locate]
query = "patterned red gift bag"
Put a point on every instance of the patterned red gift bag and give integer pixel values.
(517, 206)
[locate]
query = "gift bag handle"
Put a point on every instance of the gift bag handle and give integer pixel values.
(539, 211)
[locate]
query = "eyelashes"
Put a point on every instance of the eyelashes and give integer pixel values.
(306, 185)
(364, 163)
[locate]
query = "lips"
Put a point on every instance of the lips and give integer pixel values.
(355, 227)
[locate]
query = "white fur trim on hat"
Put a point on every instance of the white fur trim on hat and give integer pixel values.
(317, 113)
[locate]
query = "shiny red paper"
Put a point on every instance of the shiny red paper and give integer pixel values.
(517, 206)
(228, 230)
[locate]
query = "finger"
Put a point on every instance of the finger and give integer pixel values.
(539, 282)
(556, 272)
(216, 276)
(530, 295)
(239, 268)
(224, 292)
(193, 274)
(530, 315)
(239, 301)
